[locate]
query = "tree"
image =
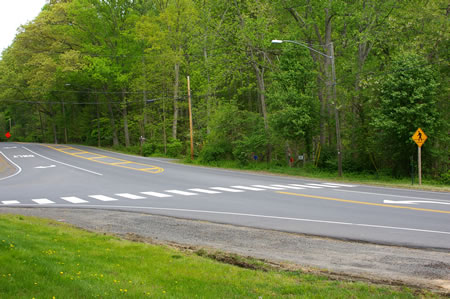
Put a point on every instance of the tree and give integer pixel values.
(406, 101)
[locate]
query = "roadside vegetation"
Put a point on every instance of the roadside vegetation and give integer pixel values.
(346, 89)
(47, 259)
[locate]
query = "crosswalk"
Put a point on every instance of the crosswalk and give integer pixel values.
(174, 192)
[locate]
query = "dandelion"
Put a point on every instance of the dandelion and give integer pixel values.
(61, 273)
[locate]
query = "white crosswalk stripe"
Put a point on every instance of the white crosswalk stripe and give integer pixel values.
(10, 202)
(227, 189)
(156, 194)
(322, 185)
(103, 198)
(189, 192)
(43, 201)
(247, 188)
(130, 196)
(73, 199)
(340, 185)
(204, 191)
(268, 187)
(288, 187)
(179, 192)
(305, 186)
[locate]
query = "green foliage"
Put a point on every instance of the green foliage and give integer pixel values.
(234, 134)
(116, 70)
(406, 101)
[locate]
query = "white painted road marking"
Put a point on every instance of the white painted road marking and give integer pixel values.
(305, 186)
(414, 202)
(10, 147)
(23, 156)
(44, 167)
(204, 191)
(79, 168)
(156, 194)
(43, 201)
(248, 188)
(390, 195)
(130, 196)
(102, 198)
(288, 187)
(268, 187)
(19, 170)
(278, 218)
(322, 185)
(341, 185)
(10, 202)
(74, 199)
(227, 189)
(181, 192)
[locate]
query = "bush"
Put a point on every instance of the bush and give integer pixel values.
(445, 178)
(174, 148)
(213, 152)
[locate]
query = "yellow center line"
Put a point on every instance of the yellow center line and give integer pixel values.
(365, 203)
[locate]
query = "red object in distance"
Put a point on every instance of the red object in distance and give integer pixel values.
(8, 135)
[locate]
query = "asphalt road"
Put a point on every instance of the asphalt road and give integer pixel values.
(83, 177)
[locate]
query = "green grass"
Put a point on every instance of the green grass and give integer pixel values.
(42, 258)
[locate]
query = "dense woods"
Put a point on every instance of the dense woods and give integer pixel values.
(359, 80)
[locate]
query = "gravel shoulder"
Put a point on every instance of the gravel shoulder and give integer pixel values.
(429, 269)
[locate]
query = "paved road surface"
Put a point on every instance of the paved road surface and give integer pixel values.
(84, 177)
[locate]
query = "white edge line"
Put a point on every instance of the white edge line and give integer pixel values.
(18, 167)
(261, 216)
(390, 195)
(79, 168)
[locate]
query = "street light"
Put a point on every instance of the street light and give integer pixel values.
(333, 75)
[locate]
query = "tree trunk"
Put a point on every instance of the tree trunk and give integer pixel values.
(42, 126)
(175, 100)
(113, 124)
(65, 123)
(98, 123)
(262, 97)
(126, 132)
(55, 133)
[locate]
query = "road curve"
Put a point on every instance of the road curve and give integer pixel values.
(72, 176)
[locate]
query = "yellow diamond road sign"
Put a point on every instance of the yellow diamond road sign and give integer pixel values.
(419, 137)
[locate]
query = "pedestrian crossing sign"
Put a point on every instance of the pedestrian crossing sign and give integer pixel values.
(419, 137)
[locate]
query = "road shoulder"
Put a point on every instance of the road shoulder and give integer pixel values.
(6, 169)
(361, 261)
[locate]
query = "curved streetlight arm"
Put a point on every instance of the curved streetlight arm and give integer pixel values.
(279, 41)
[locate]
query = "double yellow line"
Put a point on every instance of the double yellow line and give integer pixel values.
(106, 159)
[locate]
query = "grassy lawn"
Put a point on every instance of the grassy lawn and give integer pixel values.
(42, 258)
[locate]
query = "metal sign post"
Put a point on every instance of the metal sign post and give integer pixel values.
(419, 138)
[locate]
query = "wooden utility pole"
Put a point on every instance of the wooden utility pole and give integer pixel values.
(190, 117)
